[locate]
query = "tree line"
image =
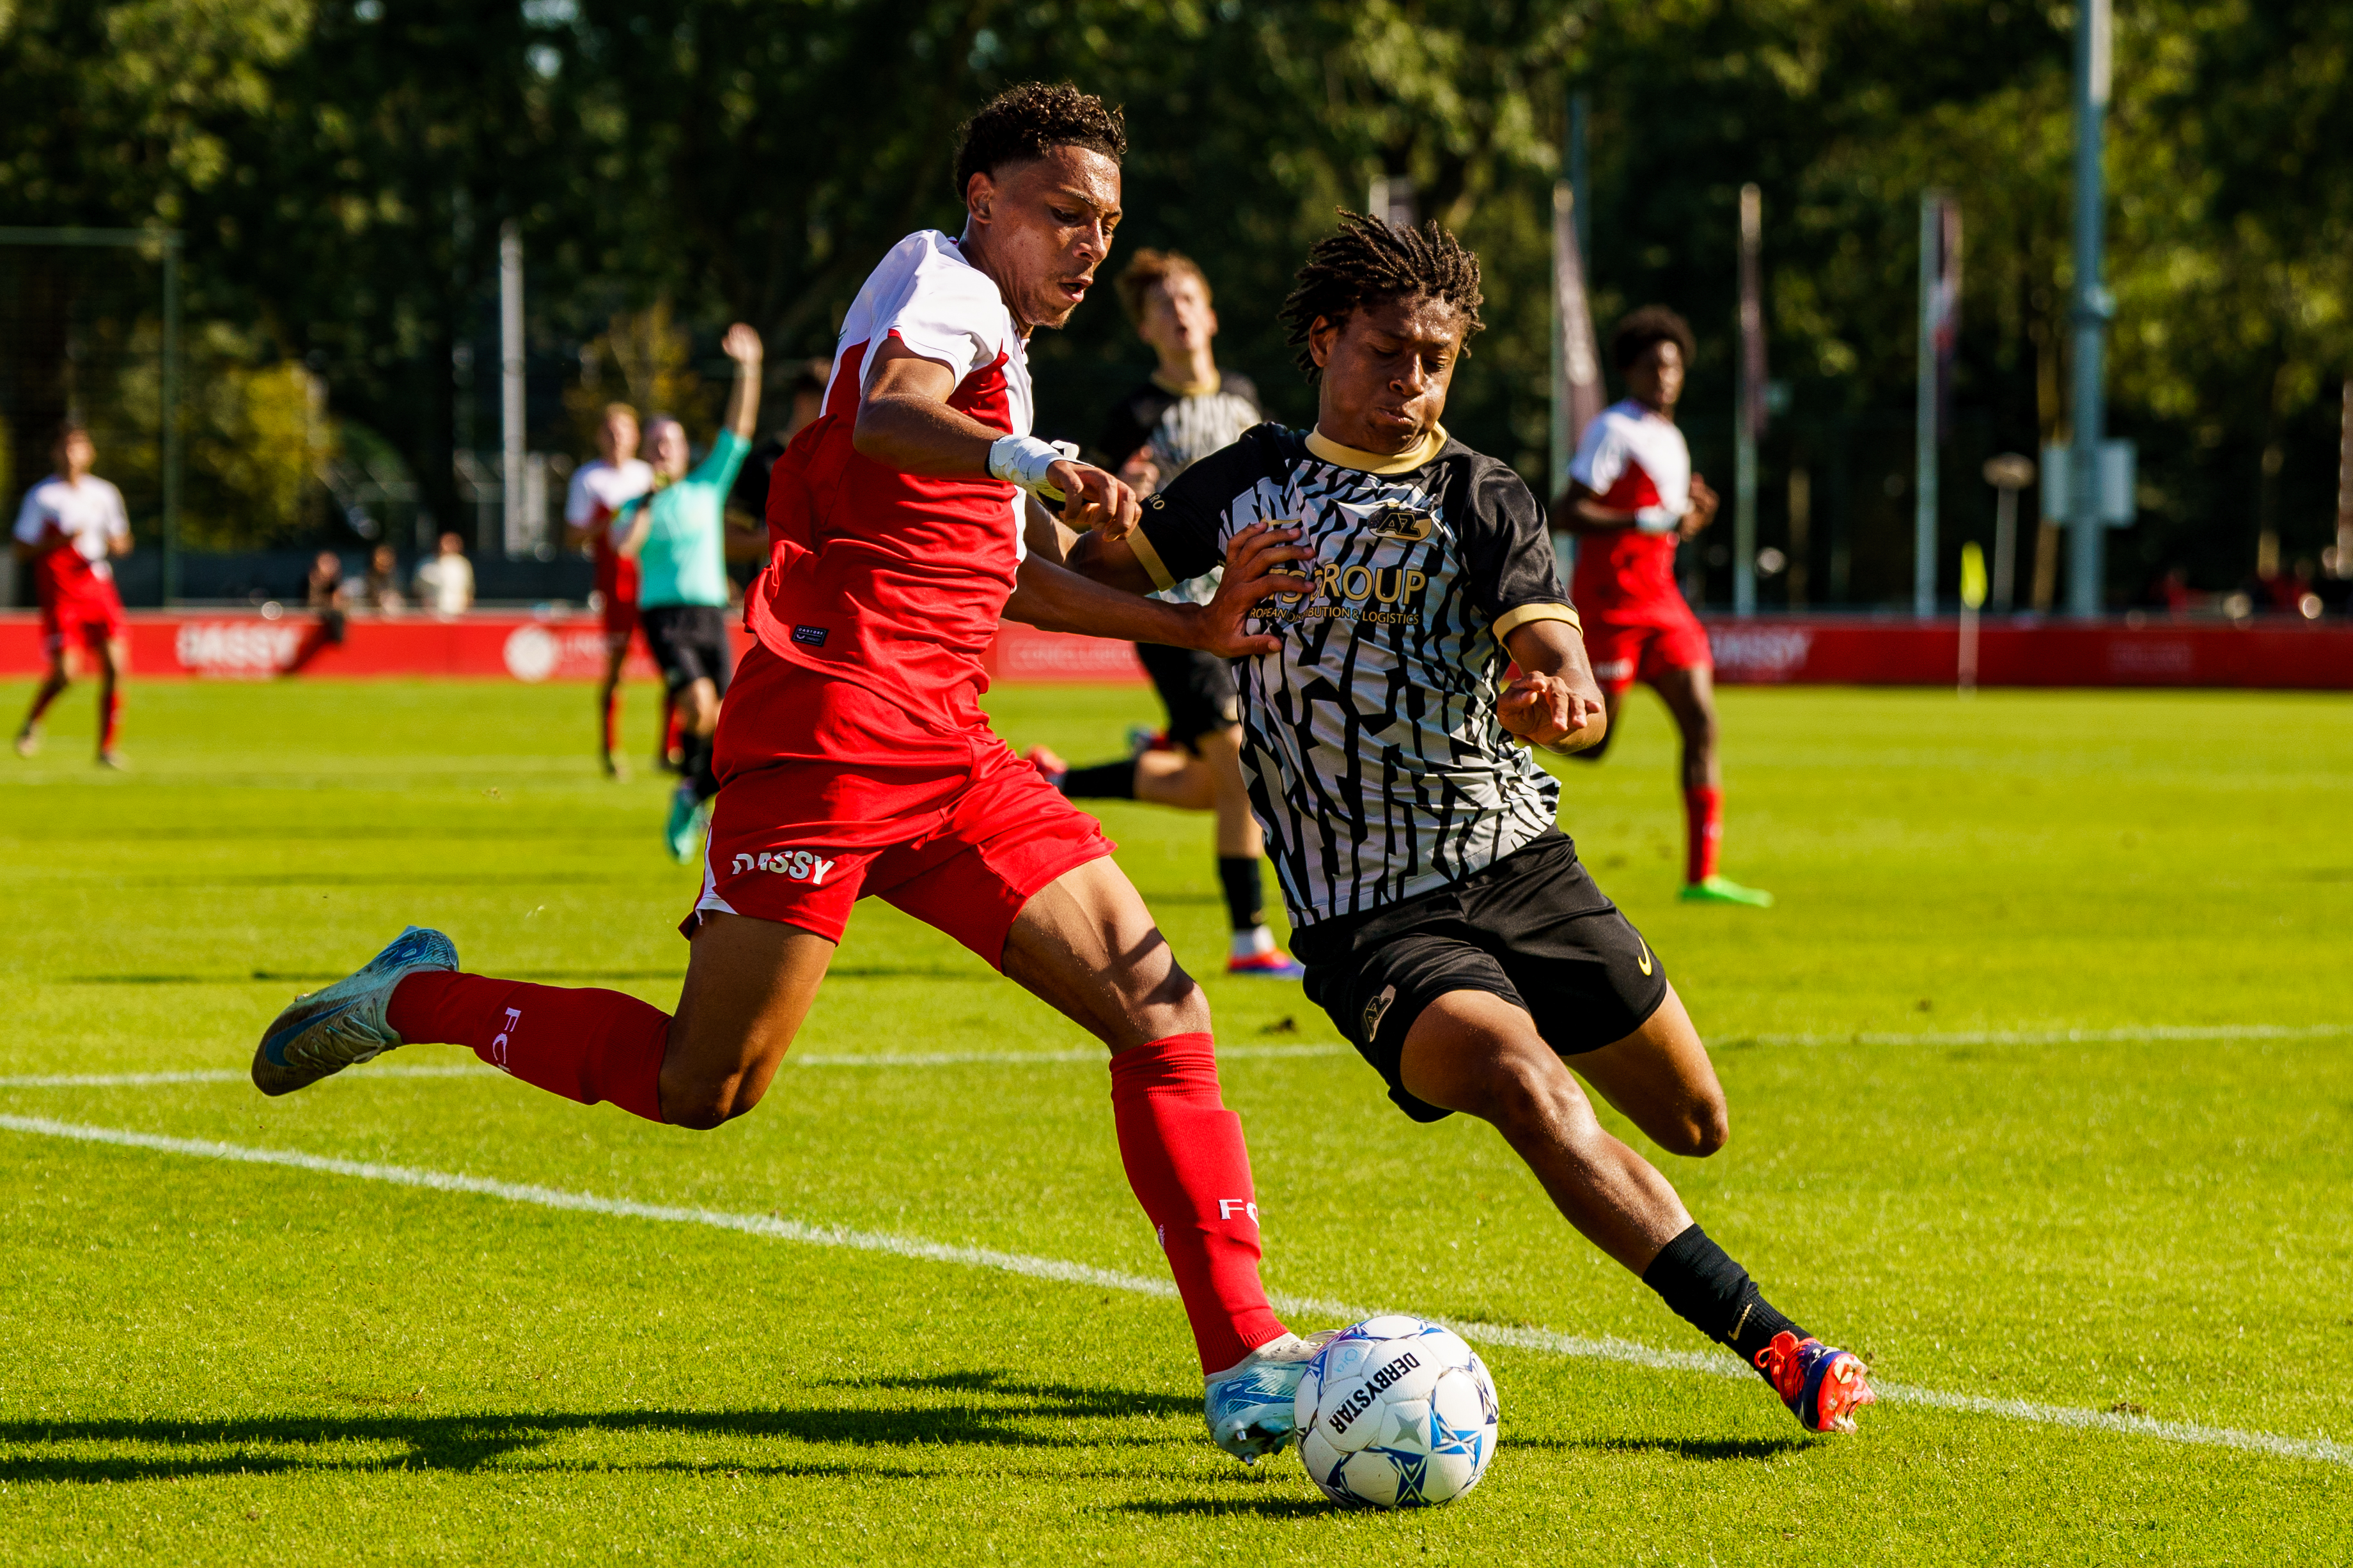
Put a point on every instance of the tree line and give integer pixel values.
(341, 170)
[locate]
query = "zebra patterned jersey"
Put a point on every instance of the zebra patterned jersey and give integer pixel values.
(1376, 762)
(1176, 427)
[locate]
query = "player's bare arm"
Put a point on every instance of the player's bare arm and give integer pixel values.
(1554, 701)
(1704, 503)
(1096, 597)
(904, 423)
(741, 344)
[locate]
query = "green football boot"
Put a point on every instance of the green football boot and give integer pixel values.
(1724, 891)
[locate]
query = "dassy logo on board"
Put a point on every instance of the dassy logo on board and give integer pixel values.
(800, 864)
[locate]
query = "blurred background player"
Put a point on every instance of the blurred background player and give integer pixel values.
(69, 524)
(677, 534)
(600, 489)
(1632, 498)
(1188, 410)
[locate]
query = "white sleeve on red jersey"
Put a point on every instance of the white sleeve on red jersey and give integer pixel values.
(580, 499)
(941, 307)
(1602, 453)
(32, 518)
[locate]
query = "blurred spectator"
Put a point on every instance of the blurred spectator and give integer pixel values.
(2173, 593)
(445, 584)
(382, 589)
(324, 596)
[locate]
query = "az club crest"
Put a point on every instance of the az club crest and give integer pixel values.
(1394, 521)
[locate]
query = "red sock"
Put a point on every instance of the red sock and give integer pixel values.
(583, 1045)
(110, 718)
(1190, 1169)
(613, 720)
(1703, 823)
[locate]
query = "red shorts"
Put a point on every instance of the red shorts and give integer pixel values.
(620, 623)
(1639, 644)
(828, 792)
(91, 616)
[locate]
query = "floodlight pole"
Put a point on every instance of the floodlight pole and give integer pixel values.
(1744, 415)
(2093, 308)
(510, 391)
(170, 413)
(1924, 441)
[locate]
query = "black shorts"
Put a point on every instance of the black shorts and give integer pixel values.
(1197, 690)
(1531, 929)
(689, 643)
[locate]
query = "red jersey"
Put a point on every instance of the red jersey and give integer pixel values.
(894, 580)
(1635, 460)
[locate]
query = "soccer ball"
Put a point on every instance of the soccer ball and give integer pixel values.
(1396, 1412)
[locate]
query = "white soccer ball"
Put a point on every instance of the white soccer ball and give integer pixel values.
(1397, 1413)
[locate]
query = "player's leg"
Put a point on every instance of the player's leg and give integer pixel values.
(1476, 1052)
(1660, 1078)
(112, 653)
(1241, 854)
(53, 685)
(608, 703)
(1688, 689)
(1026, 880)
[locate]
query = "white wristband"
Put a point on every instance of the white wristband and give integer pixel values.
(1657, 519)
(1024, 459)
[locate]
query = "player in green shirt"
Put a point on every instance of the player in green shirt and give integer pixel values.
(677, 531)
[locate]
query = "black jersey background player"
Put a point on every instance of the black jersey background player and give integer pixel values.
(1188, 409)
(1446, 922)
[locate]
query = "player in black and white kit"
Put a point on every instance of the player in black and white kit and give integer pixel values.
(1446, 922)
(1188, 409)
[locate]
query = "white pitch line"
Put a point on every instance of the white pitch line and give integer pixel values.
(2071, 1037)
(2322, 1449)
(476, 1070)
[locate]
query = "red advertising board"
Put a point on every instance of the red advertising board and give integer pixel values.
(1811, 650)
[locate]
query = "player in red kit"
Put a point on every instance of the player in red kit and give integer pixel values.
(853, 758)
(1632, 498)
(600, 489)
(69, 526)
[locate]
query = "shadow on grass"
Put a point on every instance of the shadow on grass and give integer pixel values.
(1253, 1507)
(1004, 1417)
(1710, 1450)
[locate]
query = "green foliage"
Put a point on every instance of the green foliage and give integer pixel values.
(344, 168)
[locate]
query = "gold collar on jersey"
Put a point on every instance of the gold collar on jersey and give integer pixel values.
(1404, 462)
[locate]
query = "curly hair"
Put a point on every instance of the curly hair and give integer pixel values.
(1149, 270)
(1633, 337)
(1024, 122)
(1369, 261)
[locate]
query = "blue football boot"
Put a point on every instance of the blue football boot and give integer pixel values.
(345, 1025)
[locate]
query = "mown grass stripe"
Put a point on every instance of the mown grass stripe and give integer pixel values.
(2070, 1036)
(2322, 1449)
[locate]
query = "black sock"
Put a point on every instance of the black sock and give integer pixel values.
(701, 756)
(1107, 781)
(1245, 898)
(1714, 1295)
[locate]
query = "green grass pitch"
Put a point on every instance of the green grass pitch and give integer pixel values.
(2035, 1098)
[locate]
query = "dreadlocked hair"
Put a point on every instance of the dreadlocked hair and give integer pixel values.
(1026, 122)
(1367, 262)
